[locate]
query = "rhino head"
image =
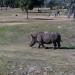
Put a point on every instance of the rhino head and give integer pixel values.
(33, 40)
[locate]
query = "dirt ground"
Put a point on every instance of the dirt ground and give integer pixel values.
(22, 18)
(18, 56)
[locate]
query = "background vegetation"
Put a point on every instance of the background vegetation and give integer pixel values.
(16, 57)
(26, 5)
(15, 54)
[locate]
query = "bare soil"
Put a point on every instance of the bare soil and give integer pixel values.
(18, 56)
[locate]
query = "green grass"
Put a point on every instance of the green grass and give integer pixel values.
(15, 52)
(18, 33)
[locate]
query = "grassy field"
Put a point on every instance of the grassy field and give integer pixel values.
(15, 53)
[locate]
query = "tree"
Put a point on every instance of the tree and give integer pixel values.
(12, 3)
(9, 3)
(1, 3)
(29, 5)
(6, 3)
(39, 3)
(51, 4)
(72, 8)
(17, 3)
(58, 3)
(26, 5)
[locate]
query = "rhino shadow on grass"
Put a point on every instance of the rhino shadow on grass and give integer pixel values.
(43, 38)
(67, 47)
(60, 48)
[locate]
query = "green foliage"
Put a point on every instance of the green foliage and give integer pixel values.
(32, 3)
(38, 3)
(1, 2)
(53, 3)
(10, 3)
(26, 4)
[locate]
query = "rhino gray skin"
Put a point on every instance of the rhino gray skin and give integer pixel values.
(46, 38)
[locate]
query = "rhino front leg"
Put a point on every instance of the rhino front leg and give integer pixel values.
(41, 44)
(59, 45)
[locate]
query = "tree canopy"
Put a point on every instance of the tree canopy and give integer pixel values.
(30, 4)
(33, 3)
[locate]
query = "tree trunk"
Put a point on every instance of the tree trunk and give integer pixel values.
(27, 13)
(1, 8)
(49, 11)
(38, 9)
(74, 15)
(6, 8)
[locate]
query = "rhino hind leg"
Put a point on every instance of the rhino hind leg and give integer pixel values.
(55, 45)
(58, 41)
(59, 45)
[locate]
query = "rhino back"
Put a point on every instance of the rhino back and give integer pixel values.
(49, 36)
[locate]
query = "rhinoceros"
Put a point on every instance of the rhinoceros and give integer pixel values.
(46, 38)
